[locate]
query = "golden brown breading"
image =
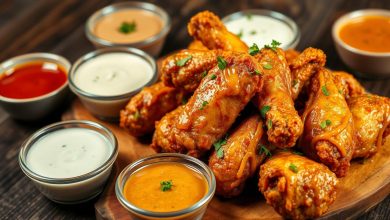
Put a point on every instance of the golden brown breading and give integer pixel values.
(284, 126)
(212, 109)
(149, 106)
(240, 157)
(196, 45)
(371, 117)
(328, 135)
(209, 29)
(347, 84)
(304, 66)
(297, 187)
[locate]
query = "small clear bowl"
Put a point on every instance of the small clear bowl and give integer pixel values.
(108, 107)
(75, 189)
(151, 45)
(38, 107)
(272, 14)
(194, 212)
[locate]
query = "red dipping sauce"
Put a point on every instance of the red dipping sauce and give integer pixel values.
(31, 80)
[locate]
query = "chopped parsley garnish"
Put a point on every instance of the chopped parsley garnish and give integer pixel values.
(218, 147)
(294, 82)
(239, 35)
(183, 61)
(325, 123)
(213, 77)
(166, 185)
(253, 32)
(267, 66)
(204, 74)
(298, 153)
(264, 110)
(127, 27)
(221, 63)
(324, 90)
(184, 101)
(249, 16)
(293, 168)
(274, 45)
(257, 72)
(264, 149)
(204, 103)
(253, 50)
(136, 115)
(269, 124)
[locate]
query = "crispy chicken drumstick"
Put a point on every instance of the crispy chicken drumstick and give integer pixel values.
(214, 106)
(297, 187)
(328, 135)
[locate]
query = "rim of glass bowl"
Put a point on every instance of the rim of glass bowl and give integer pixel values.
(31, 58)
(189, 161)
(128, 5)
(61, 125)
(273, 14)
(93, 54)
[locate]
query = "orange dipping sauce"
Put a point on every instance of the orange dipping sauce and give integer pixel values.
(165, 187)
(32, 80)
(369, 33)
(128, 26)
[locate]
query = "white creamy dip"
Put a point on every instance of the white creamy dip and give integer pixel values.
(113, 74)
(261, 30)
(68, 153)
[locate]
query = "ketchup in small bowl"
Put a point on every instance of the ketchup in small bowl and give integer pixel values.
(33, 85)
(31, 80)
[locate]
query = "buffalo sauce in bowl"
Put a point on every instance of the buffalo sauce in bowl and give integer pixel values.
(369, 33)
(31, 80)
(165, 187)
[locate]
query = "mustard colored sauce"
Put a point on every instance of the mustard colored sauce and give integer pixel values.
(143, 188)
(369, 33)
(147, 24)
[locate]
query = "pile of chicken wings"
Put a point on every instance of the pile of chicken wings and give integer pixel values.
(260, 112)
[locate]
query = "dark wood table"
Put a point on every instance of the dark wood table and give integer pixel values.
(58, 27)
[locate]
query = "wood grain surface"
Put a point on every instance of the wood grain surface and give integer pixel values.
(58, 27)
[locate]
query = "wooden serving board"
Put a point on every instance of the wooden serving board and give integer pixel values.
(366, 184)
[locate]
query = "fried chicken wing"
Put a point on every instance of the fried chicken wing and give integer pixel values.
(284, 126)
(197, 45)
(297, 187)
(328, 135)
(188, 76)
(209, 29)
(239, 159)
(304, 66)
(347, 84)
(291, 55)
(371, 116)
(212, 109)
(149, 106)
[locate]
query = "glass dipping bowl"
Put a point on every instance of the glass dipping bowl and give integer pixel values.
(76, 189)
(195, 211)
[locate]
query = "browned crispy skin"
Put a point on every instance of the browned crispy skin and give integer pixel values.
(283, 122)
(209, 29)
(347, 84)
(212, 109)
(304, 66)
(188, 77)
(371, 116)
(328, 135)
(291, 55)
(197, 45)
(240, 159)
(149, 106)
(302, 193)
